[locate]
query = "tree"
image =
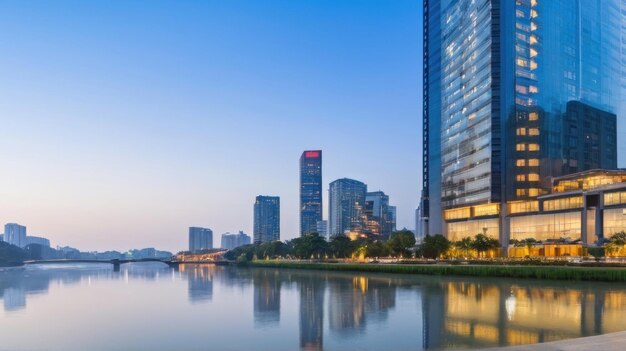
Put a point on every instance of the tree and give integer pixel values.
(376, 249)
(464, 245)
(10, 255)
(434, 246)
(400, 242)
(618, 238)
(309, 245)
(341, 246)
(483, 243)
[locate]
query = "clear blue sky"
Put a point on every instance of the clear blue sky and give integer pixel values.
(125, 122)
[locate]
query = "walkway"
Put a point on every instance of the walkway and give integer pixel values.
(606, 342)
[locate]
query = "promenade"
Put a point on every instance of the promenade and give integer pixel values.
(606, 342)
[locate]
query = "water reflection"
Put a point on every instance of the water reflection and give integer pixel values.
(361, 310)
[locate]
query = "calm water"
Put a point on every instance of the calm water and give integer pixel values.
(204, 307)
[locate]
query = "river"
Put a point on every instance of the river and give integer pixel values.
(148, 306)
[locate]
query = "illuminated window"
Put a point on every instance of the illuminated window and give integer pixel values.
(533, 65)
(520, 163)
(533, 14)
(533, 26)
(533, 177)
(533, 52)
(533, 39)
(520, 147)
(521, 89)
(457, 213)
(521, 131)
(521, 62)
(533, 89)
(533, 147)
(533, 131)
(615, 198)
(520, 192)
(563, 203)
(533, 116)
(533, 192)
(533, 162)
(520, 177)
(521, 207)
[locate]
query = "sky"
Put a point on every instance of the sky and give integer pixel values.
(125, 123)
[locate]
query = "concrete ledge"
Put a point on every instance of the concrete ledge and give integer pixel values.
(606, 342)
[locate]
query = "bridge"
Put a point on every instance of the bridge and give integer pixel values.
(115, 262)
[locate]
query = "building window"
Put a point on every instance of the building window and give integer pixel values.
(533, 116)
(533, 147)
(520, 163)
(520, 147)
(533, 131)
(533, 177)
(533, 162)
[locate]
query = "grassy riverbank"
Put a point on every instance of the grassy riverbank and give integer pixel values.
(508, 271)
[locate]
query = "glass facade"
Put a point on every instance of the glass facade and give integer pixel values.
(466, 103)
(614, 221)
(266, 219)
(310, 191)
(517, 92)
(346, 204)
(459, 230)
(544, 227)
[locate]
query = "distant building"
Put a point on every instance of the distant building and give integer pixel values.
(1, 237)
(310, 190)
(346, 206)
(231, 241)
(200, 239)
(392, 218)
(266, 219)
(322, 228)
(15, 234)
(37, 240)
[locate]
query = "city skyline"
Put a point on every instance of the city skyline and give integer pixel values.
(114, 144)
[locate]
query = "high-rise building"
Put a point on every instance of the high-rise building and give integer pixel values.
(266, 219)
(200, 239)
(231, 241)
(503, 80)
(310, 190)
(391, 221)
(346, 204)
(322, 228)
(377, 214)
(15, 234)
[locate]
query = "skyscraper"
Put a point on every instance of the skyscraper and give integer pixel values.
(377, 212)
(231, 241)
(266, 219)
(346, 206)
(15, 234)
(310, 190)
(200, 239)
(501, 81)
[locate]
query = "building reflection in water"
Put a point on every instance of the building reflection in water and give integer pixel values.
(199, 281)
(475, 314)
(18, 284)
(311, 313)
(267, 285)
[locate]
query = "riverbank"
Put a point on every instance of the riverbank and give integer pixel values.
(606, 342)
(503, 271)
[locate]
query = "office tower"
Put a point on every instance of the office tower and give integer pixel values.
(346, 206)
(200, 239)
(501, 81)
(310, 190)
(377, 213)
(231, 241)
(322, 228)
(391, 221)
(15, 234)
(37, 240)
(266, 219)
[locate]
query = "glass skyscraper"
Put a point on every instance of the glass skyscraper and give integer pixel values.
(511, 91)
(266, 219)
(310, 190)
(200, 239)
(346, 205)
